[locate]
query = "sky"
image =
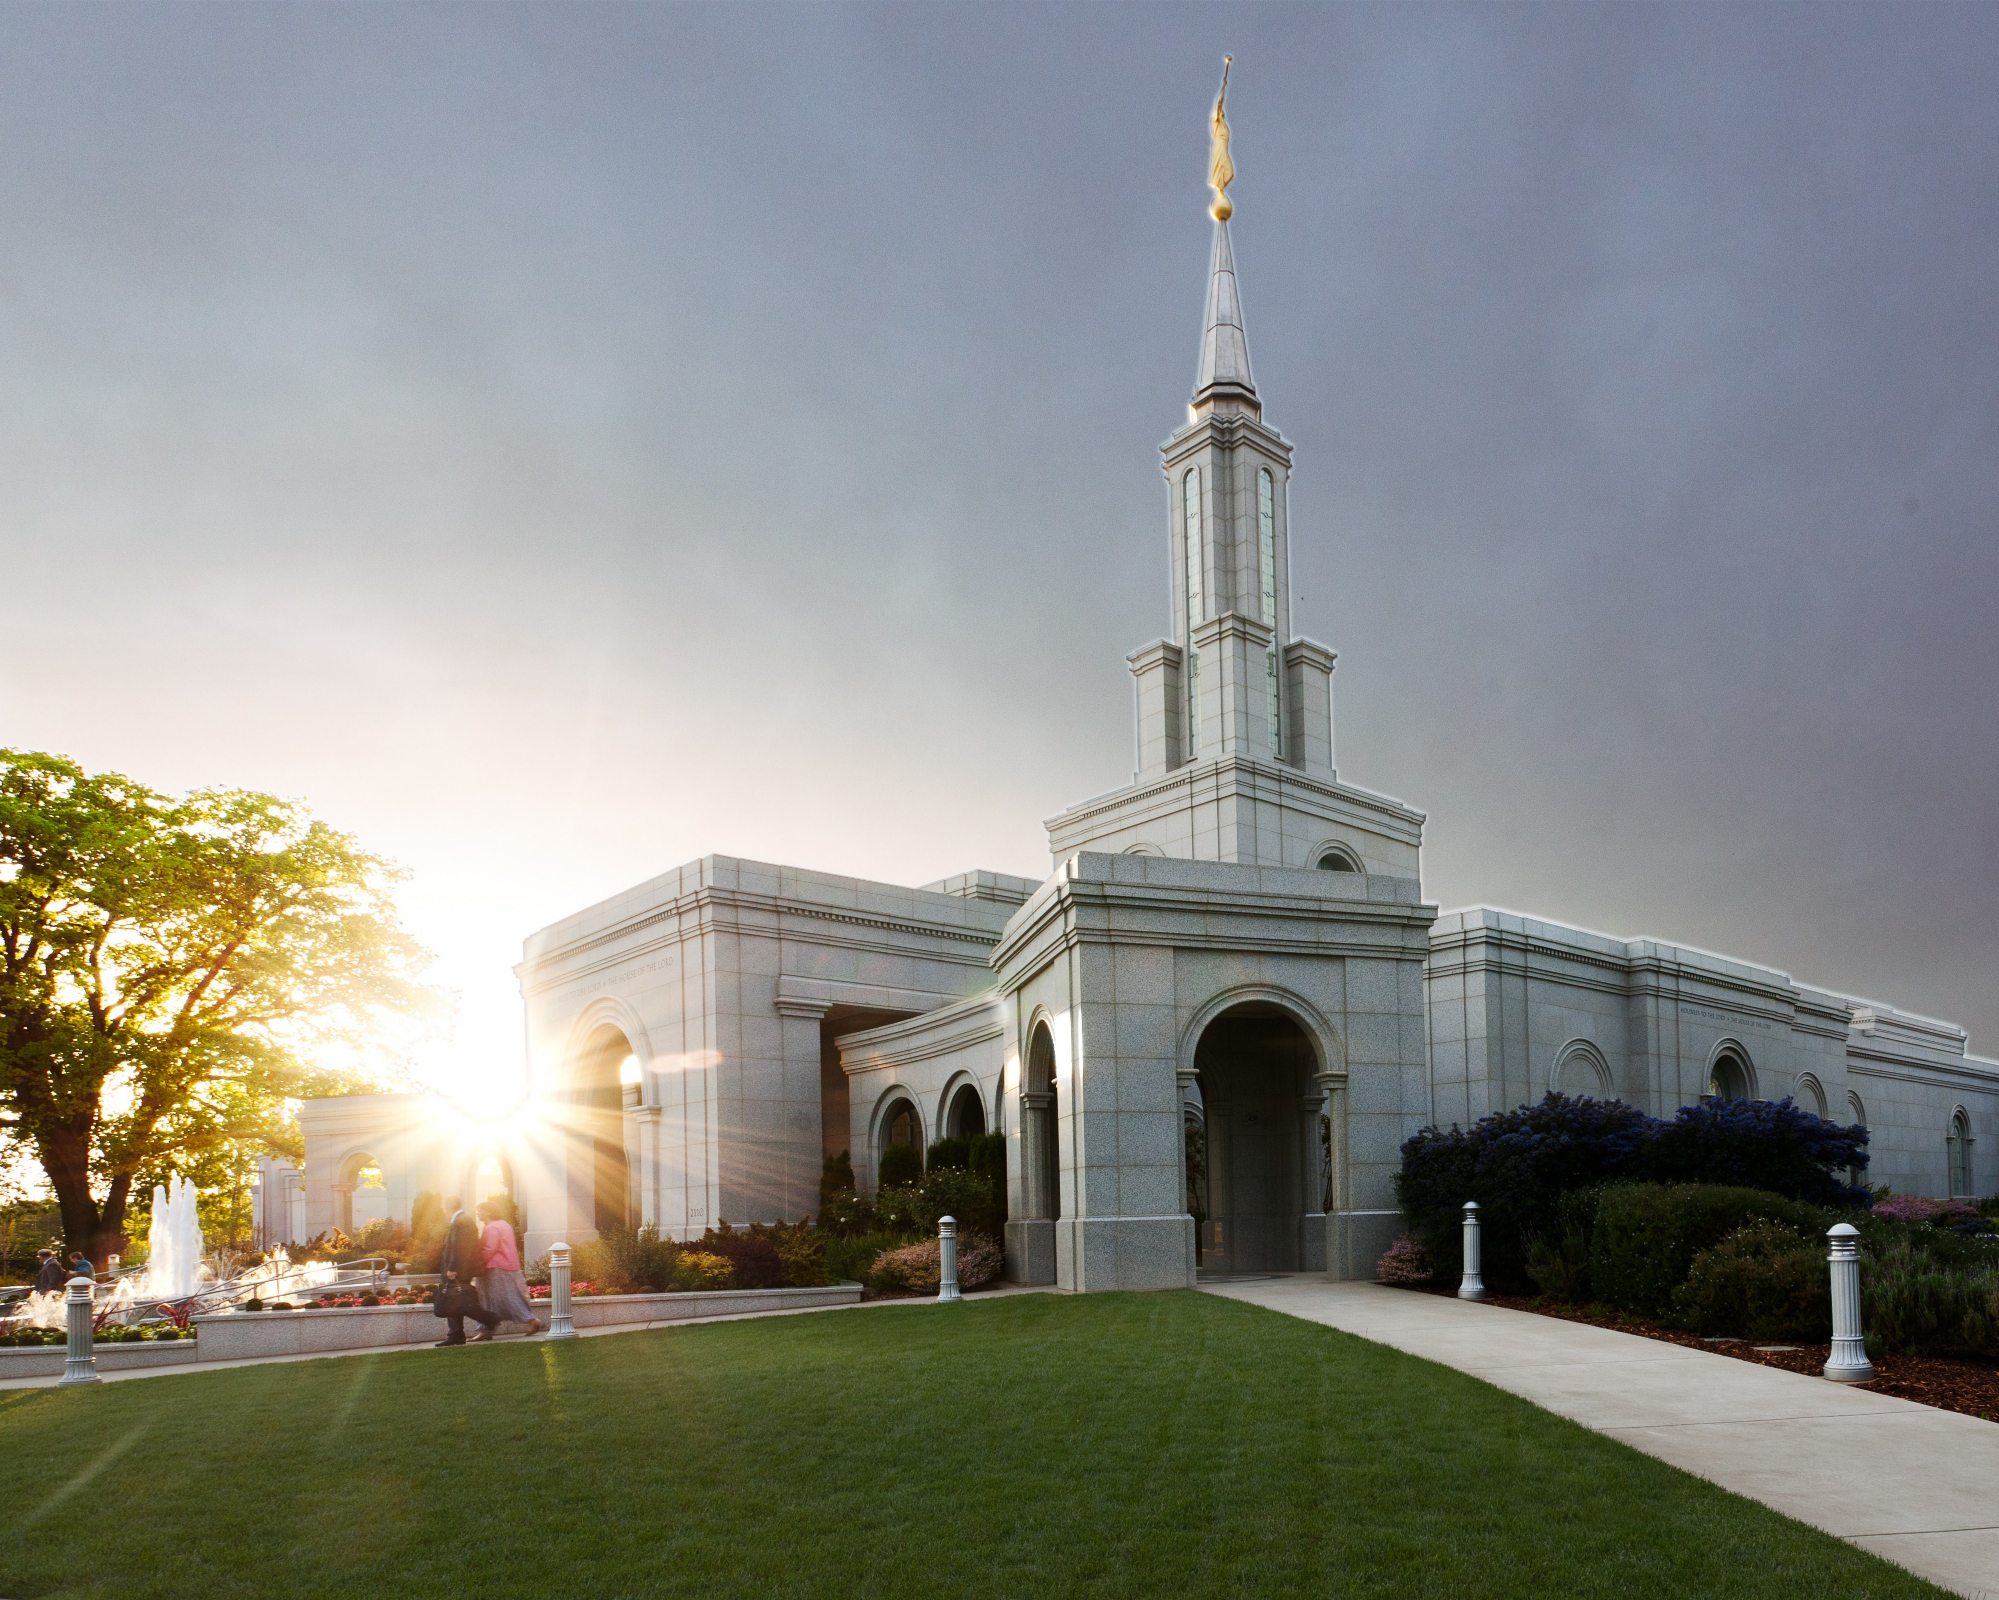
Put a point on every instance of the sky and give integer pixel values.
(559, 442)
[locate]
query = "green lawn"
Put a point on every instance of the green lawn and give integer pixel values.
(1157, 1445)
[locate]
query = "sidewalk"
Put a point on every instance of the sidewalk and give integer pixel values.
(1917, 1486)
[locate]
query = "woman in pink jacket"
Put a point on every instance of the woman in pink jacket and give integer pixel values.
(503, 1287)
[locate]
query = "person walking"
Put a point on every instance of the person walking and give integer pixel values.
(503, 1287)
(49, 1276)
(457, 1295)
(80, 1267)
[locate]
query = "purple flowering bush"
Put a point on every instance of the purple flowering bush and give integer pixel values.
(1405, 1261)
(1939, 1213)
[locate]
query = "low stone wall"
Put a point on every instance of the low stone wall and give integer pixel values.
(46, 1361)
(248, 1335)
(243, 1335)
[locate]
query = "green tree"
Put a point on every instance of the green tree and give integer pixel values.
(173, 971)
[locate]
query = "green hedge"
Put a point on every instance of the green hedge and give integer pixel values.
(1764, 1281)
(1644, 1236)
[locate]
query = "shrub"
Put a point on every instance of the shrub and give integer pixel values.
(1519, 1163)
(1516, 1165)
(626, 1260)
(1938, 1213)
(901, 1165)
(1646, 1236)
(698, 1269)
(1404, 1262)
(849, 1260)
(1913, 1303)
(918, 1268)
(801, 1252)
(845, 1214)
(1764, 1281)
(1760, 1144)
(947, 1153)
(836, 1176)
(754, 1256)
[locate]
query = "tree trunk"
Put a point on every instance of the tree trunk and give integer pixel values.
(65, 1157)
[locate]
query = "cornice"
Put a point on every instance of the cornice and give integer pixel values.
(711, 907)
(1257, 780)
(1206, 915)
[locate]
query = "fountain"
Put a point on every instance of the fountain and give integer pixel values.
(173, 1259)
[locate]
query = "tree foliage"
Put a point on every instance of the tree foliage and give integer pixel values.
(173, 971)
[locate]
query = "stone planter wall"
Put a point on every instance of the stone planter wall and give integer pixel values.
(47, 1360)
(242, 1335)
(247, 1335)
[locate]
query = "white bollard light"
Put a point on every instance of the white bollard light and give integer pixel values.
(947, 1259)
(80, 1366)
(559, 1325)
(1848, 1361)
(1471, 1286)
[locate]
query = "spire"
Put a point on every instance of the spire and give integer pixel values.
(1224, 346)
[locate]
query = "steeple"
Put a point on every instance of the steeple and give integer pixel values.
(1224, 371)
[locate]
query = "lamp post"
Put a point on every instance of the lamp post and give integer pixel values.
(947, 1259)
(559, 1325)
(1471, 1286)
(1848, 1361)
(80, 1365)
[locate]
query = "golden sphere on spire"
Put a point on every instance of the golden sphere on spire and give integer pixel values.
(1221, 210)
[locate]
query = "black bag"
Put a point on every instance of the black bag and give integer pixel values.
(453, 1300)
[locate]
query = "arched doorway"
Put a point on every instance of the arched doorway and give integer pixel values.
(1261, 1140)
(1729, 1077)
(360, 1196)
(600, 1179)
(966, 1117)
(1039, 1128)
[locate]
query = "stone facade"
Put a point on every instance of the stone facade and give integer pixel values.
(1207, 1033)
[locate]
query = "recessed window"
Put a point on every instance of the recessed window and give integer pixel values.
(1190, 502)
(1338, 861)
(1266, 545)
(1957, 1147)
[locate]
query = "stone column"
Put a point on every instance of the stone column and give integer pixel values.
(1308, 683)
(1030, 1237)
(1337, 1180)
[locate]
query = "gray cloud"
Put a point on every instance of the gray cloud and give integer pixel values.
(564, 441)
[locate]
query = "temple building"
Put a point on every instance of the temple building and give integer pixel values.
(1205, 1034)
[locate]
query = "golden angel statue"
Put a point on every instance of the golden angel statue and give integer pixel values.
(1221, 170)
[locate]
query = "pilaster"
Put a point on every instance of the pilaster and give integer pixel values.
(1161, 701)
(1308, 681)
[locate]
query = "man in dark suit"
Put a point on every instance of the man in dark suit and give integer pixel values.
(460, 1266)
(49, 1276)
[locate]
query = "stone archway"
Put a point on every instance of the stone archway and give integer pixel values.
(965, 1113)
(1254, 1067)
(600, 1178)
(1730, 1075)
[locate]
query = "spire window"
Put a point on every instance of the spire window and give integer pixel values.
(1190, 491)
(1266, 545)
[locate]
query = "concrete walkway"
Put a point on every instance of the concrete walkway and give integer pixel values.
(1915, 1485)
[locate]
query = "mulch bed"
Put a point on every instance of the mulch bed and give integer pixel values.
(1948, 1383)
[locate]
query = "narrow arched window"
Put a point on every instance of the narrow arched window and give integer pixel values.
(1190, 497)
(1958, 1147)
(1266, 547)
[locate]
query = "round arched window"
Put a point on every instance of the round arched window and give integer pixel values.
(1338, 861)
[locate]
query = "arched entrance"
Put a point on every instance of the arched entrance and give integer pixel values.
(1260, 1137)
(966, 1117)
(600, 1180)
(1041, 1155)
(359, 1196)
(1730, 1077)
